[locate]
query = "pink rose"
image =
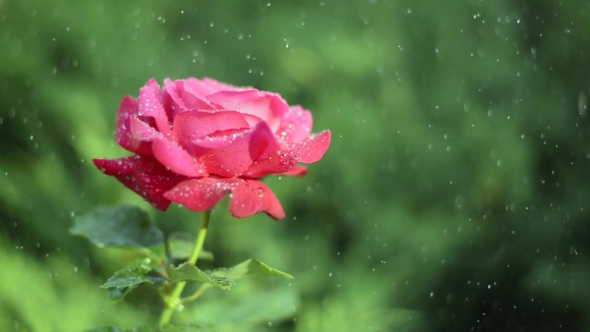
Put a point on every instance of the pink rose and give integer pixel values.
(195, 141)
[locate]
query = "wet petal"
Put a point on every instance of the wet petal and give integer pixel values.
(295, 171)
(173, 156)
(198, 194)
(194, 92)
(141, 131)
(151, 104)
(269, 107)
(144, 176)
(283, 161)
(128, 109)
(208, 86)
(201, 88)
(244, 201)
(231, 155)
(190, 126)
(268, 201)
(313, 150)
(177, 104)
(280, 162)
(296, 125)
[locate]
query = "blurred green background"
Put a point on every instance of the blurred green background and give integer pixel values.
(455, 195)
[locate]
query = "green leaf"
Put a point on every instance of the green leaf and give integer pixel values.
(181, 245)
(247, 306)
(135, 274)
(187, 271)
(116, 329)
(127, 279)
(118, 294)
(187, 328)
(224, 277)
(121, 226)
(248, 268)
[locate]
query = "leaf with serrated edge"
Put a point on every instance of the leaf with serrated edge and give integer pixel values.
(187, 271)
(135, 274)
(250, 267)
(120, 226)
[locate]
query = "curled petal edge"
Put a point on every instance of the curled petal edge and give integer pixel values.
(247, 197)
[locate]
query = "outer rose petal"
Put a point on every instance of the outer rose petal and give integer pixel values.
(205, 87)
(269, 107)
(269, 202)
(283, 161)
(247, 197)
(198, 194)
(244, 201)
(280, 162)
(209, 86)
(173, 156)
(296, 171)
(313, 150)
(145, 176)
(128, 109)
(295, 126)
(151, 103)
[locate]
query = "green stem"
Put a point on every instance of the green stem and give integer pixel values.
(174, 298)
(196, 295)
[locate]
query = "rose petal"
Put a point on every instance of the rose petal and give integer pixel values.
(198, 194)
(141, 131)
(231, 155)
(295, 171)
(173, 156)
(244, 201)
(128, 109)
(151, 103)
(194, 92)
(177, 105)
(145, 176)
(282, 161)
(268, 201)
(296, 125)
(313, 150)
(210, 86)
(269, 107)
(190, 126)
(204, 87)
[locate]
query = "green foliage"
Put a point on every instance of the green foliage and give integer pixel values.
(187, 328)
(128, 278)
(135, 274)
(187, 271)
(247, 306)
(116, 329)
(121, 226)
(36, 291)
(249, 268)
(223, 277)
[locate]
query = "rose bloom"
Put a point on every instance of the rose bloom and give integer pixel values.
(196, 141)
